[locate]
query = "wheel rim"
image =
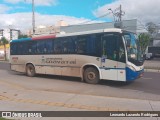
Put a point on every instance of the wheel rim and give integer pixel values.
(91, 76)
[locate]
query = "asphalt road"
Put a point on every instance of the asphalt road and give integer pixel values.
(146, 88)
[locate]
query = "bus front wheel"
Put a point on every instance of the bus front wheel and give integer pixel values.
(30, 70)
(91, 75)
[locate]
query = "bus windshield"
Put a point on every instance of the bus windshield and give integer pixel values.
(133, 49)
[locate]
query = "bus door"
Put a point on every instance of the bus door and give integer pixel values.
(121, 60)
(109, 63)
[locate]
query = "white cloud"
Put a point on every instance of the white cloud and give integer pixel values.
(37, 2)
(14, 1)
(43, 2)
(4, 8)
(23, 21)
(143, 10)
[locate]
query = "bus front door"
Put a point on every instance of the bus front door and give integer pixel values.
(109, 62)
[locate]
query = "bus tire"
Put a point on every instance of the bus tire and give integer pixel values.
(30, 70)
(91, 75)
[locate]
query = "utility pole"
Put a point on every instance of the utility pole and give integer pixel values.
(117, 14)
(33, 17)
(120, 13)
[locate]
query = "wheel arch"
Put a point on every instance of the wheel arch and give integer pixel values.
(31, 64)
(89, 65)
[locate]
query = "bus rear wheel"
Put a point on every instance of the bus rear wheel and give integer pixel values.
(91, 75)
(30, 70)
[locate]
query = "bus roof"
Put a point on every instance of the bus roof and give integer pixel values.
(90, 32)
(63, 34)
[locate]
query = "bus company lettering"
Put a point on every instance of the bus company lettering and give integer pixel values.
(59, 61)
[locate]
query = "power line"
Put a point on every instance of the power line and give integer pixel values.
(106, 14)
(118, 13)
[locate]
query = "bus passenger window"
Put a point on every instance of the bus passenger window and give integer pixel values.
(80, 49)
(81, 44)
(58, 46)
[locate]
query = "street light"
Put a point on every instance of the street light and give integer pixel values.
(112, 13)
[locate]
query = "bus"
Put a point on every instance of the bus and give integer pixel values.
(106, 54)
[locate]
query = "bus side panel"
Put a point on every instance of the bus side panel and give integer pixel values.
(71, 71)
(18, 68)
(40, 69)
(121, 74)
(65, 71)
(108, 74)
(17, 64)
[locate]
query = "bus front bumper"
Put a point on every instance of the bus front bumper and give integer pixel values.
(132, 75)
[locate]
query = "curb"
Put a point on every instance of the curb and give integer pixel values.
(152, 70)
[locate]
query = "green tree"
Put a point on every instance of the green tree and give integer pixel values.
(152, 29)
(4, 41)
(144, 40)
(22, 36)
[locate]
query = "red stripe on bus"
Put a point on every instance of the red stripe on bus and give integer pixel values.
(43, 37)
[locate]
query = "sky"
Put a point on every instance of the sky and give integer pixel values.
(18, 13)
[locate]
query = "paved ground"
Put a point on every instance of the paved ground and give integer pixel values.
(152, 65)
(53, 93)
(144, 88)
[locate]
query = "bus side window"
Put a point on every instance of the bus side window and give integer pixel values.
(98, 45)
(20, 49)
(13, 48)
(71, 46)
(57, 46)
(65, 46)
(32, 48)
(81, 45)
(41, 47)
(49, 46)
(91, 45)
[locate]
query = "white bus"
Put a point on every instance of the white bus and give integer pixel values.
(108, 54)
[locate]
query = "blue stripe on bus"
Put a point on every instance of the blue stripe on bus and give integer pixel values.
(106, 68)
(59, 66)
(51, 65)
(22, 39)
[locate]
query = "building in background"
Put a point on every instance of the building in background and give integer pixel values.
(44, 30)
(10, 34)
(130, 25)
(63, 27)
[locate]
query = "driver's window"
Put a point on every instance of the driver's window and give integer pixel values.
(121, 51)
